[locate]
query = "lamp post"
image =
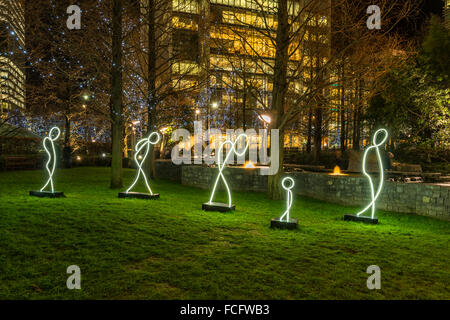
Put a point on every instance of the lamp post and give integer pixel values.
(214, 105)
(266, 119)
(197, 114)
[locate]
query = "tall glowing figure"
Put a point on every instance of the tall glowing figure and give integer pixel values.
(285, 221)
(53, 135)
(377, 143)
(143, 146)
(217, 206)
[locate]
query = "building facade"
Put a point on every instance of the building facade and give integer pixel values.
(12, 55)
(224, 51)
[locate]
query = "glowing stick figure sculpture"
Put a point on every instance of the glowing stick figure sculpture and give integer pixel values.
(214, 206)
(285, 221)
(377, 143)
(143, 144)
(53, 135)
(288, 188)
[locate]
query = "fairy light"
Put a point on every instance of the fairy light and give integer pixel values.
(51, 155)
(374, 195)
(221, 165)
(143, 143)
(288, 187)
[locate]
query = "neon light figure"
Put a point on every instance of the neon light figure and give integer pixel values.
(285, 221)
(52, 139)
(141, 145)
(221, 165)
(374, 195)
(53, 135)
(289, 199)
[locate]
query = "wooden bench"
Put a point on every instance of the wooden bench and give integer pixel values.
(18, 162)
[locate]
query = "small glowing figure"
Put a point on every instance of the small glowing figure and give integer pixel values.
(375, 146)
(288, 187)
(143, 143)
(221, 164)
(53, 135)
(285, 221)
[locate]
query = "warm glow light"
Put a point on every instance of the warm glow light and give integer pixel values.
(288, 187)
(214, 105)
(51, 156)
(143, 143)
(266, 118)
(163, 130)
(78, 158)
(233, 149)
(249, 165)
(375, 146)
(337, 172)
(197, 111)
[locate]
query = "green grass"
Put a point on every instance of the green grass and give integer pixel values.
(171, 249)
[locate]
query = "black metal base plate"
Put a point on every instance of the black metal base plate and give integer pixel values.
(352, 217)
(47, 194)
(217, 206)
(138, 195)
(277, 224)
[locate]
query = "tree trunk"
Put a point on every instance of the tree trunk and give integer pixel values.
(204, 97)
(309, 139)
(278, 95)
(67, 150)
(343, 135)
(151, 95)
(358, 117)
(116, 96)
(318, 133)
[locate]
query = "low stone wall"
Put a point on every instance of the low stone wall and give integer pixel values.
(165, 169)
(238, 179)
(421, 199)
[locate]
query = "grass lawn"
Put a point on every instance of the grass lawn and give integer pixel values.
(171, 249)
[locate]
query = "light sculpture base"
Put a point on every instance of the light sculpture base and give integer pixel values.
(217, 206)
(47, 194)
(276, 223)
(139, 195)
(352, 217)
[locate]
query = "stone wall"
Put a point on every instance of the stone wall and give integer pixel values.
(238, 179)
(422, 199)
(418, 198)
(165, 169)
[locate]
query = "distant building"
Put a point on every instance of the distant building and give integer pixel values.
(12, 55)
(220, 48)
